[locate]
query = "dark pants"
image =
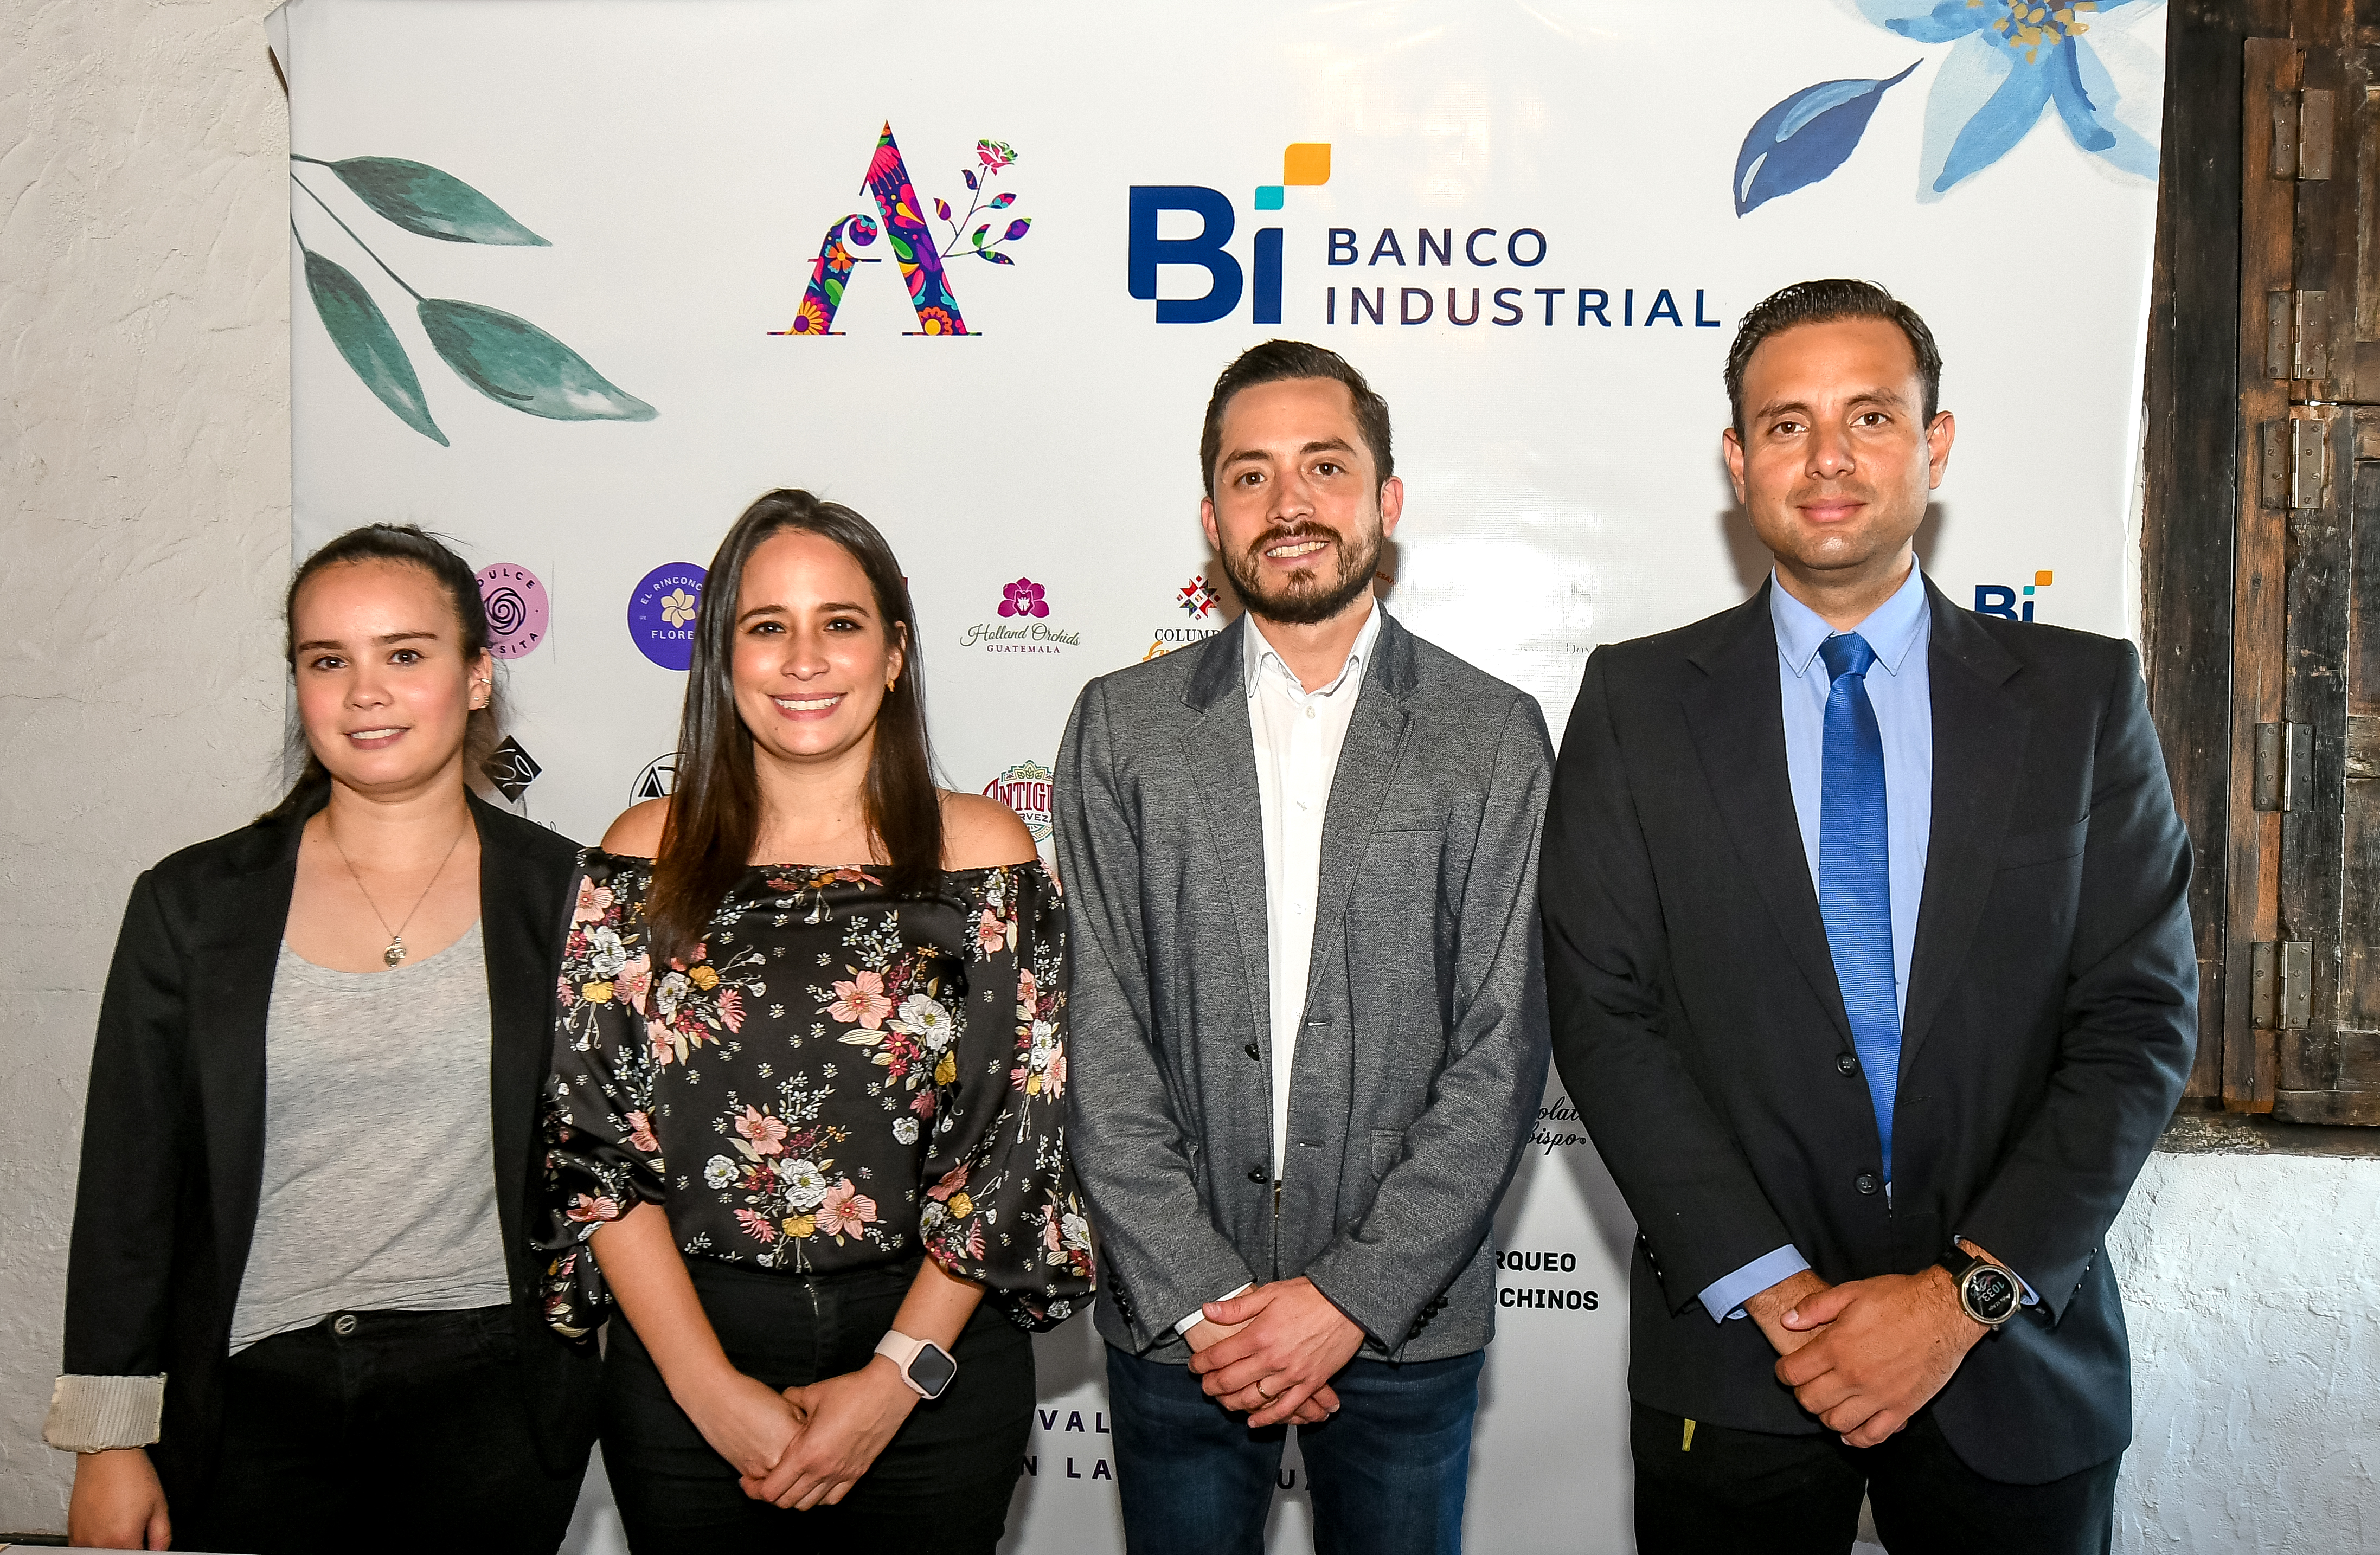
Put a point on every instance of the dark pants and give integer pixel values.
(1729, 1490)
(410, 1431)
(1387, 1471)
(940, 1486)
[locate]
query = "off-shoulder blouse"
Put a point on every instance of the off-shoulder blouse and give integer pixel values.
(837, 1078)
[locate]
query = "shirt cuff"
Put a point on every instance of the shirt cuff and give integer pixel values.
(1182, 1329)
(1724, 1298)
(102, 1413)
(2029, 1298)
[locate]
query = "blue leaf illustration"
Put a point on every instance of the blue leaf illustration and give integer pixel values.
(360, 332)
(1002, 202)
(968, 174)
(422, 199)
(515, 363)
(1806, 138)
(994, 255)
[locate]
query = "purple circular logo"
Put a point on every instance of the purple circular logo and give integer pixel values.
(517, 609)
(660, 613)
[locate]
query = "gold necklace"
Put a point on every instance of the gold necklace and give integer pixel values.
(395, 951)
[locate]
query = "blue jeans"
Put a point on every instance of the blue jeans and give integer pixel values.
(1387, 1471)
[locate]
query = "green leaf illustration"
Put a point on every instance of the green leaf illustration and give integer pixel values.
(422, 200)
(360, 332)
(515, 363)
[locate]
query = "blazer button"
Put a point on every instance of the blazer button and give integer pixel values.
(1257, 1174)
(1865, 1182)
(1846, 1064)
(1256, 1052)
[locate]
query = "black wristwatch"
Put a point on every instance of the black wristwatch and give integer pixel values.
(1987, 1293)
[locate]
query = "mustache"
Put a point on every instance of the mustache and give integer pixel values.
(1290, 534)
(1859, 490)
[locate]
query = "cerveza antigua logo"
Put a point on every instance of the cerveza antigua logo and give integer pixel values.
(1024, 788)
(915, 248)
(1471, 253)
(1199, 600)
(2000, 599)
(1021, 623)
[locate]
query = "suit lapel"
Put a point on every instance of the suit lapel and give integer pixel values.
(1979, 737)
(1359, 786)
(1220, 753)
(516, 898)
(231, 972)
(1737, 717)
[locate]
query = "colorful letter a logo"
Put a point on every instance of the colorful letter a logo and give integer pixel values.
(913, 250)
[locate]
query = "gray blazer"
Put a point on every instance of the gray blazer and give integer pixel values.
(1422, 1060)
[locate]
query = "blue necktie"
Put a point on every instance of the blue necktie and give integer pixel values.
(1855, 874)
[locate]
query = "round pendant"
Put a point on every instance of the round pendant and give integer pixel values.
(395, 954)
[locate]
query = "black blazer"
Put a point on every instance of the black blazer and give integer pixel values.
(2050, 1023)
(172, 1143)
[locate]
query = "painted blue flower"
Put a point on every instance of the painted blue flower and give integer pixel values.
(2013, 59)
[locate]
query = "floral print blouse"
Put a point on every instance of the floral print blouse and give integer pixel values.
(837, 1078)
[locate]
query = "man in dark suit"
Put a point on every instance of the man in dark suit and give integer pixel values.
(1869, 955)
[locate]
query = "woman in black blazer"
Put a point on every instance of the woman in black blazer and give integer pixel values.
(300, 1310)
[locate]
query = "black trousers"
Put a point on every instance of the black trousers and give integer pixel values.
(1719, 1491)
(407, 1431)
(940, 1486)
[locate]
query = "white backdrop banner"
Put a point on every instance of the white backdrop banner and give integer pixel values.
(583, 277)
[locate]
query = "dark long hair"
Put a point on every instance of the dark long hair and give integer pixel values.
(714, 808)
(409, 546)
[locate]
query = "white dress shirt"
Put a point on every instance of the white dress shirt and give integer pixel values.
(1297, 734)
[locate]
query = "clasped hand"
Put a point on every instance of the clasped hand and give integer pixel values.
(807, 1446)
(1270, 1352)
(1866, 1355)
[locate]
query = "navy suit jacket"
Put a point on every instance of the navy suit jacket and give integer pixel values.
(2050, 1025)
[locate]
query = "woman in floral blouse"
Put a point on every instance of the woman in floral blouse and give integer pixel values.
(809, 1071)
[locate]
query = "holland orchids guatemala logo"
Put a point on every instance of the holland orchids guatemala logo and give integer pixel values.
(914, 248)
(1022, 623)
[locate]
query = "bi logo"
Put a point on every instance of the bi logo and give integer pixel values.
(1998, 599)
(1304, 164)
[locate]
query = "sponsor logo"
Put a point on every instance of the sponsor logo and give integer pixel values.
(1543, 1298)
(1023, 623)
(1024, 788)
(661, 612)
(1199, 601)
(1480, 256)
(510, 769)
(1557, 1127)
(2003, 599)
(658, 780)
(517, 609)
(916, 248)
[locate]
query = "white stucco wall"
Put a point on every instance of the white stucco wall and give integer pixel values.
(144, 307)
(2251, 1285)
(144, 312)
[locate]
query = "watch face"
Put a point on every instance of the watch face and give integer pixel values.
(1991, 1294)
(932, 1371)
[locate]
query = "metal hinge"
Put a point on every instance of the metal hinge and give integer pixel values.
(2293, 471)
(2282, 975)
(2302, 122)
(2284, 766)
(2297, 335)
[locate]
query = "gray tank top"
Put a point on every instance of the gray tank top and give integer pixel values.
(380, 1187)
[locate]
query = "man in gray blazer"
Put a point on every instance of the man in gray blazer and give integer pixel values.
(1308, 999)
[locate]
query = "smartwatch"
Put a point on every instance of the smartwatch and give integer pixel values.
(1987, 1293)
(925, 1365)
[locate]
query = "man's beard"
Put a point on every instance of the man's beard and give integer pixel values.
(1303, 601)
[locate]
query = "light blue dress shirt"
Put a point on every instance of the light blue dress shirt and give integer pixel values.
(1900, 629)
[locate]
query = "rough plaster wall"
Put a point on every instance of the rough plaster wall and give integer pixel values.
(144, 289)
(2253, 1288)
